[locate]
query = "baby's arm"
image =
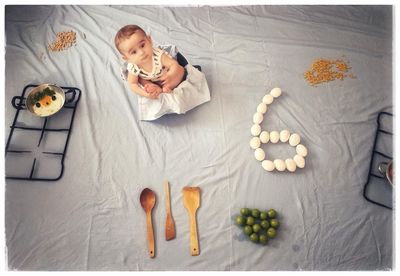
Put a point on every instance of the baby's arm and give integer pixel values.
(173, 75)
(134, 85)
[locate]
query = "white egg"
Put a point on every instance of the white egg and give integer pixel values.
(294, 139)
(268, 165)
(280, 165)
(300, 162)
(276, 92)
(255, 130)
(274, 137)
(284, 136)
(255, 142)
(290, 165)
(257, 118)
(262, 108)
(259, 154)
(264, 137)
(301, 150)
(268, 99)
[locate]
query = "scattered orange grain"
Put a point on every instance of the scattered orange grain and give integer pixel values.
(325, 70)
(64, 40)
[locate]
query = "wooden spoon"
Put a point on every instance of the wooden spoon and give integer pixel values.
(148, 200)
(191, 201)
(169, 223)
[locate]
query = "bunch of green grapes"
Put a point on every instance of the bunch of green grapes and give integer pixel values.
(259, 226)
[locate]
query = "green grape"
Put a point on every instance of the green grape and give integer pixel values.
(245, 211)
(263, 215)
(263, 239)
(240, 220)
(275, 223)
(255, 213)
(265, 224)
(254, 237)
(272, 213)
(248, 230)
(271, 232)
(256, 228)
(250, 220)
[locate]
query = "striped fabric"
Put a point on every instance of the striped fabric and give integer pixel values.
(157, 67)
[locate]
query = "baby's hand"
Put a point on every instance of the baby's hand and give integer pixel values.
(152, 88)
(166, 89)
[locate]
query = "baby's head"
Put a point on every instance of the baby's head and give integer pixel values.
(133, 44)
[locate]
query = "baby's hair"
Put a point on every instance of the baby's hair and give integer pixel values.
(125, 32)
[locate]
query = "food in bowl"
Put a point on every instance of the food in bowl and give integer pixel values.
(45, 102)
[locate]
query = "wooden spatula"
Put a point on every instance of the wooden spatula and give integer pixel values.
(169, 223)
(191, 201)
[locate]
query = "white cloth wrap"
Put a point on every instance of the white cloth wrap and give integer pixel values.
(187, 95)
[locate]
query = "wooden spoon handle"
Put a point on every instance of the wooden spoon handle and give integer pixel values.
(194, 242)
(150, 235)
(167, 197)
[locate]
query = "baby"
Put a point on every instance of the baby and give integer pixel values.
(152, 68)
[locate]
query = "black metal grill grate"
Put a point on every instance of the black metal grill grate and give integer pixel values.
(377, 189)
(36, 146)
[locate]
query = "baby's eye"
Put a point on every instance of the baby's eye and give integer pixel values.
(134, 52)
(141, 46)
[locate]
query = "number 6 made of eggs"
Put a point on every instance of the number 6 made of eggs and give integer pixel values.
(284, 136)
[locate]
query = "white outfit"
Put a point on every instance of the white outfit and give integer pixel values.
(191, 92)
(157, 71)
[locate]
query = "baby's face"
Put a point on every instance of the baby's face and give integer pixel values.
(137, 48)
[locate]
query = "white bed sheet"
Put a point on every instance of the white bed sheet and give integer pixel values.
(91, 219)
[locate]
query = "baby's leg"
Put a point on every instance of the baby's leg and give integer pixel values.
(149, 87)
(152, 87)
(166, 88)
(174, 81)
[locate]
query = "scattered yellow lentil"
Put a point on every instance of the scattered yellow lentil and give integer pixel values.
(325, 70)
(63, 41)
